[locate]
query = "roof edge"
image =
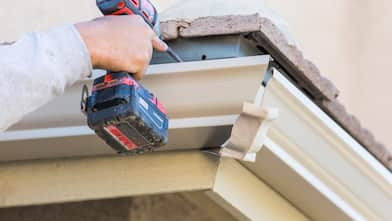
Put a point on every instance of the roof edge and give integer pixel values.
(304, 73)
(267, 34)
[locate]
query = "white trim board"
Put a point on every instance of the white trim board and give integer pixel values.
(241, 193)
(68, 180)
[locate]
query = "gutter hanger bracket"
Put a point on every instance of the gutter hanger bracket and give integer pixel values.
(250, 130)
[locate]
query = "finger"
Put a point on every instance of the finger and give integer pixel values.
(139, 75)
(139, 72)
(158, 44)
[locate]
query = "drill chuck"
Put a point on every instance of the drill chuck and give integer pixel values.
(143, 8)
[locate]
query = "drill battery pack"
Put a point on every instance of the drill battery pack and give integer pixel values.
(126, 115)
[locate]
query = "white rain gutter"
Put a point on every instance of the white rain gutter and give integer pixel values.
(203, 100)
(315, 164)
(307, 158)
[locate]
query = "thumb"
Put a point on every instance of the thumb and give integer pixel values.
(158, 44)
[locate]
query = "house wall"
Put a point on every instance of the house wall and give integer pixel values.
(348, 39)
(173, 207)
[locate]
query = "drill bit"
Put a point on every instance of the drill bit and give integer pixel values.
(174, 55)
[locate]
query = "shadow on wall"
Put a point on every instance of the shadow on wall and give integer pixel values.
(171, 207)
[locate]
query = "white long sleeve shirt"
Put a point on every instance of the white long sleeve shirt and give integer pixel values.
(38, 67)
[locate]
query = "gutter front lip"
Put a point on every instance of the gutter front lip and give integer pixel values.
(83, 130)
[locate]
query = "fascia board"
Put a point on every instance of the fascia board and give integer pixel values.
(246, 197)
(325, 156)
(203, 99)
(226, 181)
(27, 183)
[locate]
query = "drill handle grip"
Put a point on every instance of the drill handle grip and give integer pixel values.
(144, 8)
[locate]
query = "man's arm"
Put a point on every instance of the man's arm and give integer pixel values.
(38, 67)
(41, 65)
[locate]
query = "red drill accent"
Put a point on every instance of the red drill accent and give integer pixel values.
(121, 5)
(120, 137)
(146, 15)
(123, 11)
(108, 78)
(135, 2)
(111, 83)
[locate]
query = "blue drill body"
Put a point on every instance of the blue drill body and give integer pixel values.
(120, 110)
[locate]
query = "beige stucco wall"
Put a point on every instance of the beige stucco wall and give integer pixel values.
(168, 207)
(348, 39)
(32, 15)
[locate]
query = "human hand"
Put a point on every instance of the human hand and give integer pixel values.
(120, 43)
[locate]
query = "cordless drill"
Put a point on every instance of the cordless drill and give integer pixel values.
(120, 110)
(143, 8)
